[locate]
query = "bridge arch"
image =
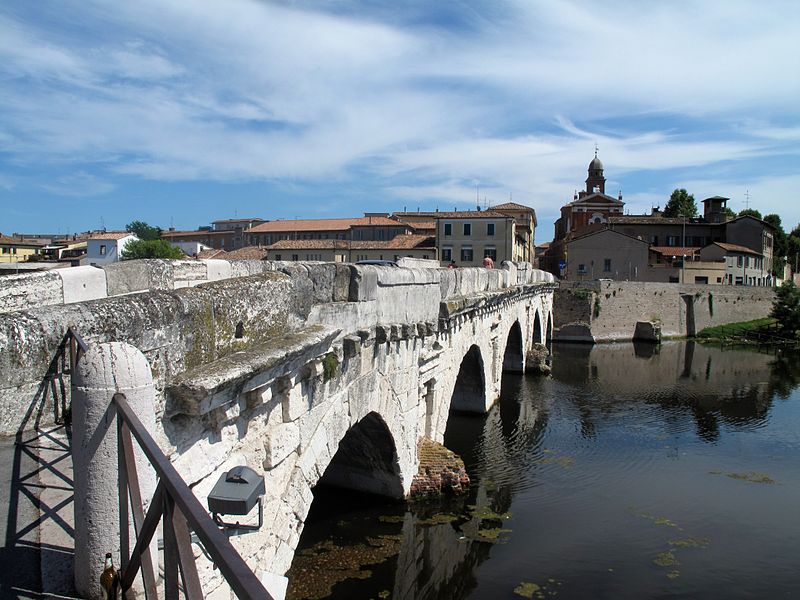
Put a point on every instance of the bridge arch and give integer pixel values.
(469, 393)
(513, 357)
(538, 338)
(366, 460)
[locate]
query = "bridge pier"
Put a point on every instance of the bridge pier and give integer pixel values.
(103, 371)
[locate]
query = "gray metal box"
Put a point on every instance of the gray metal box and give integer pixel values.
(236, 492)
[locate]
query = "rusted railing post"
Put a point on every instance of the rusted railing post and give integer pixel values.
(104, 370)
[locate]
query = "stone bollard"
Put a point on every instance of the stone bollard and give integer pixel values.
(104, 370)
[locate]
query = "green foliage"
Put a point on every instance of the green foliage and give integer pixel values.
(330, 366)
(750, 212)
(780, 247)
(681, 204)
(150, 249)
(786, 308)
(729, 213)
(143, 231)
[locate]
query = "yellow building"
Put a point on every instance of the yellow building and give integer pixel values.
(467, 237)
(13, 250)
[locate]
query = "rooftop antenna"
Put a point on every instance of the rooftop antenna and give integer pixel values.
(596, 148)
(102, 223)
(747, 199)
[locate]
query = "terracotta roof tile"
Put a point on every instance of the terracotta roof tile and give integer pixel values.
(322, 224)
(212, 253)
(675, 250)
(110, 235)
(511, 206)
(400, 242)
(247, 253)
(737, 248)
(472, 214)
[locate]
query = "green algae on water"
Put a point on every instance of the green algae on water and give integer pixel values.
(691, 542)
(526, 589)
(752, 477)
(674, 574)
(439, 519)
(666, 559)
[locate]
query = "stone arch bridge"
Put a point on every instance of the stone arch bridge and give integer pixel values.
(305, 372)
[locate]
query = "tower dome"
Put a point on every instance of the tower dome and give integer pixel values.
(595, 182)
(595, 164)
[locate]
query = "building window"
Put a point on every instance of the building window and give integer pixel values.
(672, 240)
(277, 257)
(581, 269)
(490, 229)
(447, 254)
(295, 257)
(607, 265)
(102, 249)
(467, 229)
(739, 261)
(654, 240)
(448, 229)
(466, 254)
(491, 252)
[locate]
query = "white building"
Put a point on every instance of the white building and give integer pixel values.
(105, 248)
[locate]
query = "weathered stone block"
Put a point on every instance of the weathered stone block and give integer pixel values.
(281, 441)
(647, 331)
(363, 284)
(82, 283)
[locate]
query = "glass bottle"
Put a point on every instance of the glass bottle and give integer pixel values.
(108, 579)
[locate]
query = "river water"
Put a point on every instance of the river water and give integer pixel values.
(631, 472)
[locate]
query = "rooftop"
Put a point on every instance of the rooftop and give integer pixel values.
(111, 235)
(400, 242)
(322, 224)
(737, 248)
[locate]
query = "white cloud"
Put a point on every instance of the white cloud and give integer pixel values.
(78, 184)
(242, 90)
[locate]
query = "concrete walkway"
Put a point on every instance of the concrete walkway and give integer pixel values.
(36, 515)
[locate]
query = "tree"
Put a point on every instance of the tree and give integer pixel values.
(143, 231)
(780, 246)
(681, 204)
(751, 212)
(786, 308)
(729, 214)
(150, 249)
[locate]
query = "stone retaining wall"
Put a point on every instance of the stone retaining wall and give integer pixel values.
(611, 309)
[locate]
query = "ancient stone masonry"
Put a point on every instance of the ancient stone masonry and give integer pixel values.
(441, 471)
(305, 372)
(609, 311)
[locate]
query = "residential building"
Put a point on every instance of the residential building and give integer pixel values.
(743, 266)
(466, 237)
(224, 239)
(234, 224)
(106, 248)
(15, 250)
(370, 227)
(335, 250)
(524, 230)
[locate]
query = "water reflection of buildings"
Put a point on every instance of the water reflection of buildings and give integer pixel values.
(716, 385)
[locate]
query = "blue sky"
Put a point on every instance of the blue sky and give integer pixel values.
(183, 112)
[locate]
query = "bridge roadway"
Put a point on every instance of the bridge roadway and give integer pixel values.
(307, 373)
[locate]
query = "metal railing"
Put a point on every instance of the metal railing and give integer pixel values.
(69, 352)
(176, 506)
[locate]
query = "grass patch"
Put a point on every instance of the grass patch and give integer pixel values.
(735, 329)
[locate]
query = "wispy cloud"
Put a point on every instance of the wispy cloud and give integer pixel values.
(414, 102)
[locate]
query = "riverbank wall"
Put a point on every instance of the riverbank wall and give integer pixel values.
(608, 311)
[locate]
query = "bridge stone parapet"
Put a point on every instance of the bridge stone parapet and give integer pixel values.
(308, 372)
